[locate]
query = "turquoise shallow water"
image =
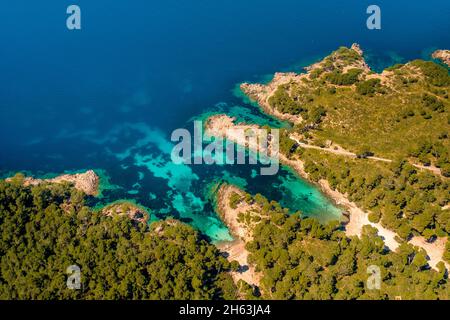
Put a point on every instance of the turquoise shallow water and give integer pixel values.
(298, 193)
(107, 97)
(141, 170)
(187, 194)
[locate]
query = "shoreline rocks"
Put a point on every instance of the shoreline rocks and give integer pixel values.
(261, 93)
(443, 55)
(87, 182)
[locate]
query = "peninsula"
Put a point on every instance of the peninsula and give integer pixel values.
(364, 138)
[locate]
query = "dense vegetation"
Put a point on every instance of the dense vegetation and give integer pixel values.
(302, 259)
(410, 106)
(401, 114)
(404, 198)
(344, 79)
(433, 153)
(45, 229)
(283, 102)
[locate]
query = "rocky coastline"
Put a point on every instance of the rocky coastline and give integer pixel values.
(87, 182)
(442, 55)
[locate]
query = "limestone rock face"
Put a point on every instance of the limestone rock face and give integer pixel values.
(87, 182)
(357, 48)
(443, 55)
(337, 61)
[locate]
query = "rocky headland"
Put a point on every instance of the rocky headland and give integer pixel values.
(443, 55)
(87, 182)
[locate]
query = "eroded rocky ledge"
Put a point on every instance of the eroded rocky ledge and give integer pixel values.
(261, 93)
(87, 182)
(443, 55)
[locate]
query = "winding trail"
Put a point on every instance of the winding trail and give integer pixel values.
(359, 218)
(340, 151)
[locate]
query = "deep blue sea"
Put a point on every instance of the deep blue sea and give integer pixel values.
(108, 96)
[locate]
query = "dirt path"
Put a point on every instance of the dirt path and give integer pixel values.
(435, 250)
(359, 218)
(433, 169)
(340, 151)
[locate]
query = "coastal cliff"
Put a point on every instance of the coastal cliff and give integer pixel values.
(343, 61)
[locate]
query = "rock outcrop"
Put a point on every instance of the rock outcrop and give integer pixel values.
(134, 212)
(443, 55)
(87, 182)
(357, 48)
(341, 60)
